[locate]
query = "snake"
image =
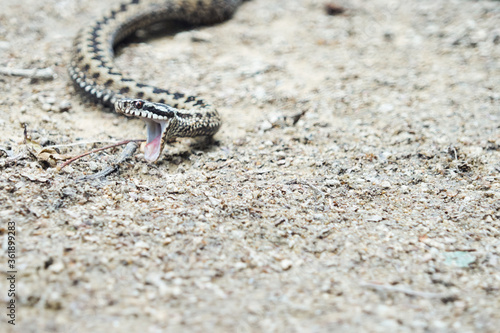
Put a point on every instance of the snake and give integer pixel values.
(167, 114)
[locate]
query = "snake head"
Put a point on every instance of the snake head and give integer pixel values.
(159, 119)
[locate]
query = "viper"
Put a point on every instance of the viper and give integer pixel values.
(167, 114)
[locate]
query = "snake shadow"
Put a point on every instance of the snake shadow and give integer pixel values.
(189, 146)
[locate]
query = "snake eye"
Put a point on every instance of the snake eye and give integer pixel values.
(138, 104)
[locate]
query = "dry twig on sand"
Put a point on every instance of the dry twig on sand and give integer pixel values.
(35, 73)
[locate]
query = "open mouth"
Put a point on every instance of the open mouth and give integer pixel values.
(155, 131)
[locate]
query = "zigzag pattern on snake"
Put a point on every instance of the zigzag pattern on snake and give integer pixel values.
(167, 114)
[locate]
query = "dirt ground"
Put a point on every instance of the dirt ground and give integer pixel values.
(354, 185)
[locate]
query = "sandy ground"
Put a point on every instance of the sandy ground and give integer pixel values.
(354, 185)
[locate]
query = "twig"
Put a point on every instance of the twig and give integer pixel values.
(126, 154)
(35, 73)
(409, 292)
(26, 136)
(121, 143)
(79, 144)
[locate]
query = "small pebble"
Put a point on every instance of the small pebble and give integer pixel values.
(286, 264)
(64, 106)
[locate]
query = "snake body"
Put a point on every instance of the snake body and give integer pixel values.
(167, 114)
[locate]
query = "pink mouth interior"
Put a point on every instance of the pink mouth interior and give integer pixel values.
(152, 150)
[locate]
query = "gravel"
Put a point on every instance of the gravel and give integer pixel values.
(354, 185)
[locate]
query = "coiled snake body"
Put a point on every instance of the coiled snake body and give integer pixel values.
(167, 114)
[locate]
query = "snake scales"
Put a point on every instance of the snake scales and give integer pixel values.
(167, 114)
